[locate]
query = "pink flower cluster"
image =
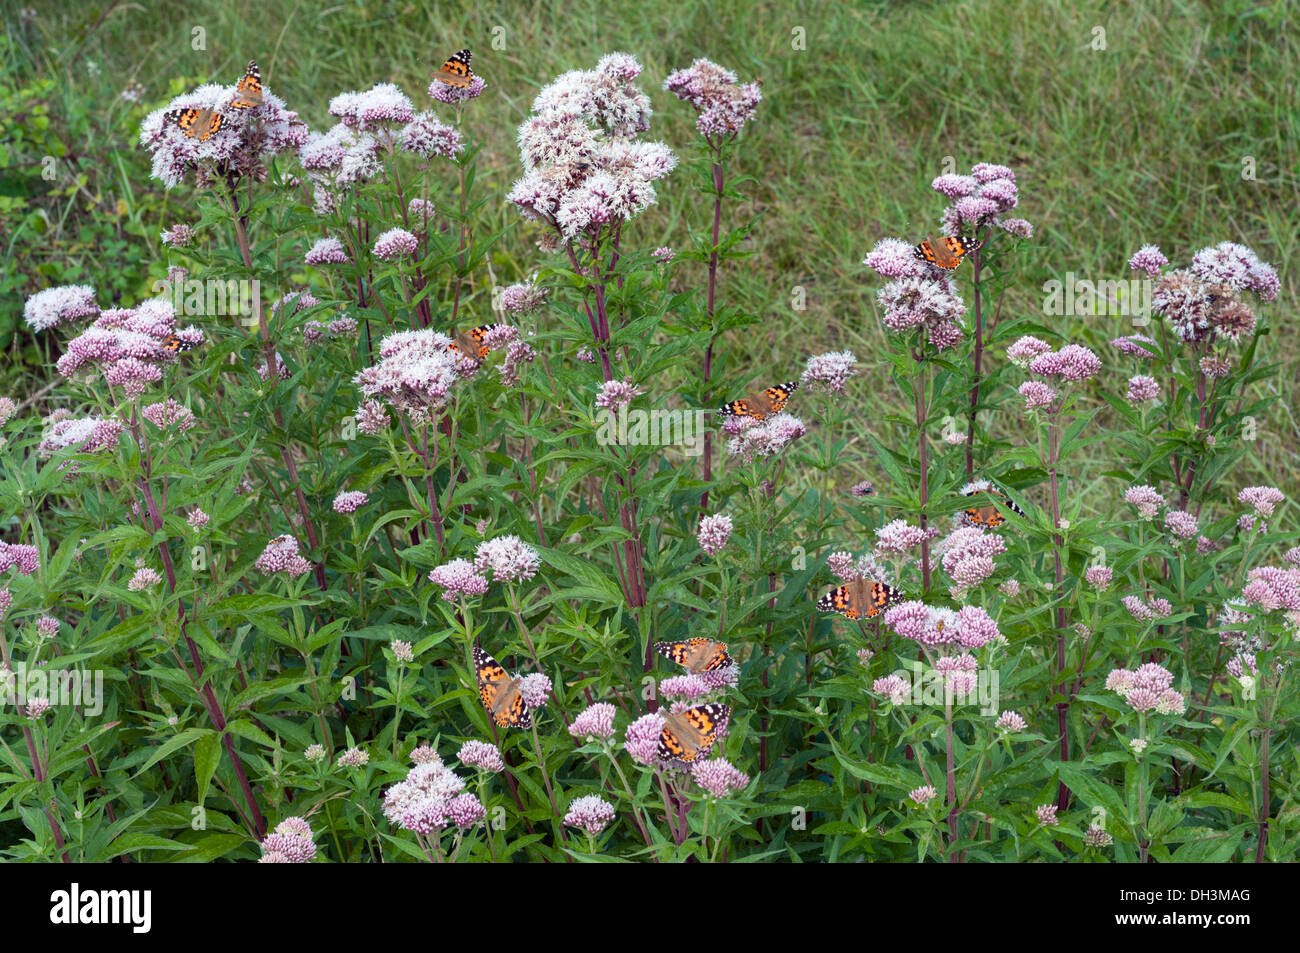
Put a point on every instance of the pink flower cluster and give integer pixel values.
(431, 798)
(126, 345)
(350, 501)
(481, 756)
(1153, 608)
(414, 373)
(595, 721)
(326, 251)
(590, 814)
(281, 555)
(1147, 500)
(1147, 689)
(752, 439)
(915, 300)
(719, 777)
(1270, 588)
(584, 168)
(83, 434)
(290, 843)
(169, 414)
(980, 200)
(54, 306)
(898, 537)
(967, 555)
(969, 627)
(714, 532)
(1074, 362)
(724, 104)
(508, 558)
(458, 578)
(25, 558)
(243, 146)
(829, 371)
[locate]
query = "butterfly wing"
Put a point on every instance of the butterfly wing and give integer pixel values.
(472, 343)
(455, 71)
(174, 345)
(696, 655)
(761, 405)
(499, 693)
(248, 91)
(691, 734)
(859, 599)
(988, 517)
(195, 123)
(947, 253)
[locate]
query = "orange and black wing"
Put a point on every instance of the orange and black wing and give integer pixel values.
(763, 405)
(499, 693)
(860, 599)
(248, 91)
(196, 123)
(455, 71)
(690, 735)
(696, 655)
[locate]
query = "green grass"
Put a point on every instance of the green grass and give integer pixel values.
(1142, 142)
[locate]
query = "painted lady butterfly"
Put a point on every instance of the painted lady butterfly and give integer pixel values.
(762, 405)
(988, 517)
(455, 71)
(470, 343)
(203, 124)
(689, 735)
(696, 655)
(174, 345)
(196, 123)
(248, 91)
(861, 598)
(947, 253)
(499, 692)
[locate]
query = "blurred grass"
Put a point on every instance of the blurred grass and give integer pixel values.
(1140, 142)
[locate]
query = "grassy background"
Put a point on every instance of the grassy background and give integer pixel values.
(1142, 142)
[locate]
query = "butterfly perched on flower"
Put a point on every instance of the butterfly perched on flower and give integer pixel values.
(201, 124)
(455, 71)
(988, 517)
(696, 655)
(947, 253)
(860, 599)
(499, 692)
(690, 734)
(763, 404)
(175, 345)
(248, 91)
(471, 343)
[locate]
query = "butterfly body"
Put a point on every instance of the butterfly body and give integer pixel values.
(248, 91)
(987, 517)
(455, 71)
(470, 343)
(201, 124)
(763, 404)
(947, 253)
(174, 345)
(696, 655)
(689, 735)
(860, 599)
(499, 692)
